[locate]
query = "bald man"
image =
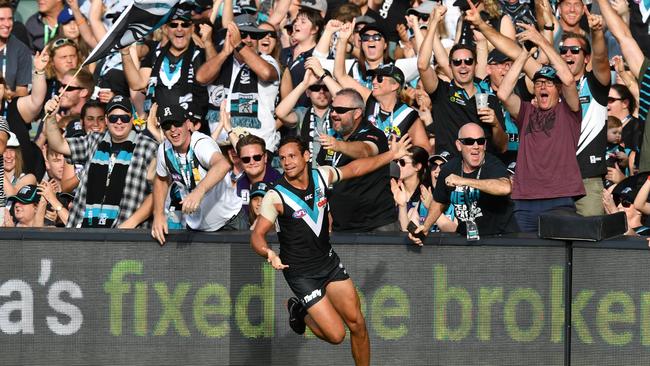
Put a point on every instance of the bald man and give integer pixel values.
(477, 184)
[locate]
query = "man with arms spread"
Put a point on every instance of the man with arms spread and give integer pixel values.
(326, 295)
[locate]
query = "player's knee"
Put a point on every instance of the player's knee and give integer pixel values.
(336, 338)
(357, 324)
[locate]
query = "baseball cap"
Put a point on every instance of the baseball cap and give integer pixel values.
(13, 140)
(497, 57)
(392, 71)
(248, 23)
(547, 72)
(259, 189)
(375, 27)
(172, 113)
(119, 101)
(27, 194)
(443, 155)
(318, 5)
(182, 13)
(426, 7)
(65, 16)
(364, 19)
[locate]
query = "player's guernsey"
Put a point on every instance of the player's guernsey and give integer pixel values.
(304, 224)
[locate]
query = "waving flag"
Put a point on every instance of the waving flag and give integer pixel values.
(138, 20)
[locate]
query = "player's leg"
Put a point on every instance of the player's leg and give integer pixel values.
(325, 322)
(344, 298)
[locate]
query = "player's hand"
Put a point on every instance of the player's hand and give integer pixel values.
(275, 260)
(159, 228)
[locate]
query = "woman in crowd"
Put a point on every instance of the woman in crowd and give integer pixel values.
(413, 184)
(14, 176)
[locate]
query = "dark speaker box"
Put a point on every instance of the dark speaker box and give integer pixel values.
(554, 225)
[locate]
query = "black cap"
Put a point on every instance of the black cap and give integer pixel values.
(27, 194)
(497, 57)
(392, 71)
(172, 113)
(259, 189)
(248, 23)
(121, 102)
(443, 155)
(182, 12)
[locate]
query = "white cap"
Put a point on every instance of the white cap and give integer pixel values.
(13, 140)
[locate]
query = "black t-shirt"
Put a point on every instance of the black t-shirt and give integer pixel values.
(493, 214)
(364, 203)
(176, 90)
(593, 131)
(296, 67)
(633, 134)
(452, 109)
(392, 12)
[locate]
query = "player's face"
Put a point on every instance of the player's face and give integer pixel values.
(293, 162)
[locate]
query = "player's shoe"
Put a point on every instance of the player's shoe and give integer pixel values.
(297, 315)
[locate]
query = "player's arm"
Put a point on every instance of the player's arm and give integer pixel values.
(363, 166)
(269, 211)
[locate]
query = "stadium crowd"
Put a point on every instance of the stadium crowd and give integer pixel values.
(513, 108)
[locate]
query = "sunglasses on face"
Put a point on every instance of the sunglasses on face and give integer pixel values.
(371, 37)
(469, 141)
(342, 110)
(168, 125)
(459, 61)
(254, 35)
(403, 162)
(269, 34)
(175, 25)
(247, 159)
(317, 88)
(434, 166)
(574, 49)
(69, 87)
(114, 118)
(423, 17)
(612, 99)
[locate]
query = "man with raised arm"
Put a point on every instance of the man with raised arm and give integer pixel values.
(326, 298)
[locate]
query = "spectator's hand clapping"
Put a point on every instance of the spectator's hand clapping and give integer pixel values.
(314, 65)
(46, 191)
(235, 35)
(608, 202)
(399, 193)
(310, 79)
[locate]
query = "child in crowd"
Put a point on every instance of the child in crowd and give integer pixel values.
(616, 155)
(257, 193)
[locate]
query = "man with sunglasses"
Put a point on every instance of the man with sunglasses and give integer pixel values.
(192, 162)
(113, 187)
(364, 203)
(454, 103)
(255, 161)
(476, 184)
(246, 80)
(168, 75)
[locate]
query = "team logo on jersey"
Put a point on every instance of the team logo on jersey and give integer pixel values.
(322, 202)
(299, 214)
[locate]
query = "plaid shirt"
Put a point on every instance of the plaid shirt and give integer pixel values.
(136, 186)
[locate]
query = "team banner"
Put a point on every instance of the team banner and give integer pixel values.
(216, 303)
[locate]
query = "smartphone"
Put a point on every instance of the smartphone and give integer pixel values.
(411, 229)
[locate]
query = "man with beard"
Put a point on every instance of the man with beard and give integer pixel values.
(193, 162)
(476, 184)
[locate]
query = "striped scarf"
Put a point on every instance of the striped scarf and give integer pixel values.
(107, 174)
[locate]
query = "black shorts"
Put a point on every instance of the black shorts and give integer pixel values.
(310, 289)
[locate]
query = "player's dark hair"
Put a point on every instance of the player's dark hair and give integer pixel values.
(296, 140)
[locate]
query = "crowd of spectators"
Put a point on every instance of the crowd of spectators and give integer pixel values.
(513, 108)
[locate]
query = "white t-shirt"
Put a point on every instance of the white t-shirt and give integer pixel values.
(221, 202)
